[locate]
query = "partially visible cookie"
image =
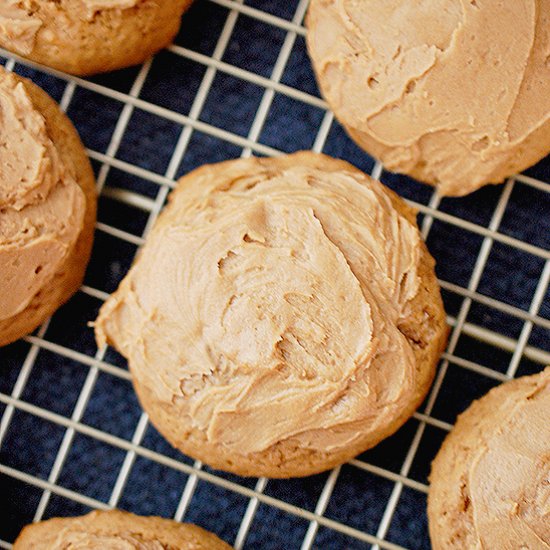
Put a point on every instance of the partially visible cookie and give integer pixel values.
(282, 317)
(436, 89)
(490, 482)
(84, 37)
(47, 207)
(116, 529)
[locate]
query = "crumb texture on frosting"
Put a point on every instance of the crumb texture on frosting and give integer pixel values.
(455, 93)
(504, 476)
(116, 530)
(41, 205)
(271, 288)
(18, 26)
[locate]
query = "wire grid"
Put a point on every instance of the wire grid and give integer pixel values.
(378, 499)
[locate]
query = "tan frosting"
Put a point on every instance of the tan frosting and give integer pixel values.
(18, 27)
(447, 91)
(262, 294)
(41, 205)
(509, 475)
(490, 481)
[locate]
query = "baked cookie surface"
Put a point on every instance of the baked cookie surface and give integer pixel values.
(118, 530)
(282, 317)
(490, 482)
(436, 89)
(47, 207)
(85, 37)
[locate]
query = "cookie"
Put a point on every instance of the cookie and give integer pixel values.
(116, 529)
(282, 317)
(85, 37)
(47, 207)
(490, 482)
(437, 90)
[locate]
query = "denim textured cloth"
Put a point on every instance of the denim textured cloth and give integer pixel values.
(63, 381)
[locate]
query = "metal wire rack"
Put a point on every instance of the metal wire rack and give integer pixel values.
(237, 82)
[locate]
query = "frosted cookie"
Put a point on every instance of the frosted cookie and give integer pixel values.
(282, 317)
(116, 529)
(438, 90)
(84, 37)
(490, 482)
(47, 207)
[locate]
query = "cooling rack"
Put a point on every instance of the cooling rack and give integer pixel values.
(237, 82)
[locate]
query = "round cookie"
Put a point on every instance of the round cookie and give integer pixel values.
(490, 482)
(47, 207)
(283, 315)
(85, 37)
(434, 89)
(116, 529)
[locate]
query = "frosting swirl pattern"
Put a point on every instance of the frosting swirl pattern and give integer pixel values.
(434, 89)
(41, 205)
(497, 494)
(272, 302)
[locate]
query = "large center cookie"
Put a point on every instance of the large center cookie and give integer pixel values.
(282, 317)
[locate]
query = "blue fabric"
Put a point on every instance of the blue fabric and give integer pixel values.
(55, 383)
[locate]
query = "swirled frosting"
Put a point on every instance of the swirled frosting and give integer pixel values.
(490, 483)
(509, 475)
(455, 93)
(18, 26)
(41, 205)
(269, 302)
